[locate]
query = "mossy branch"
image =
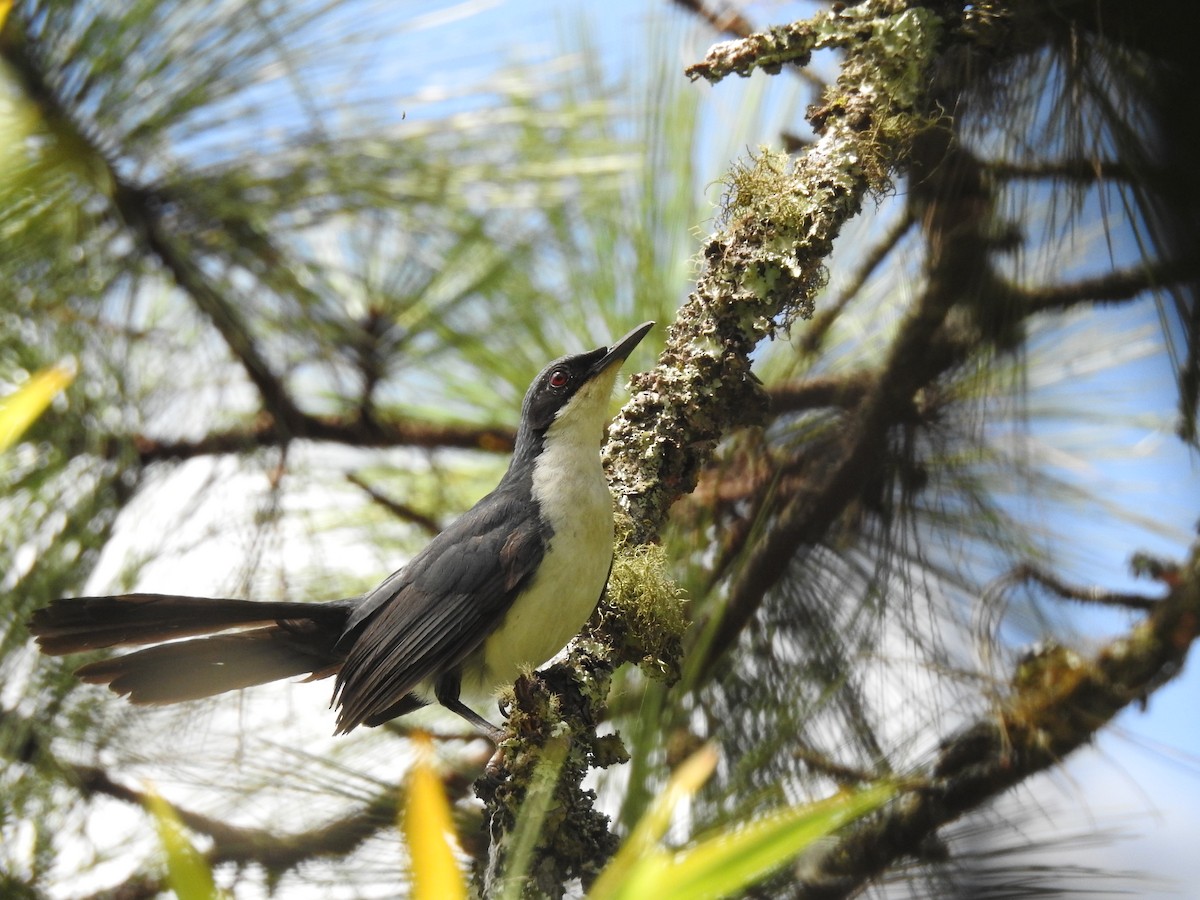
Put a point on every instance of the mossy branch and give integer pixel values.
(761, 270)
(764, 265)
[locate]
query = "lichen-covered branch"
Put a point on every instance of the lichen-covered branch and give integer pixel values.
(956, 225)
(905, 26)
(1059, 700)
(762, 269)
(760, 272)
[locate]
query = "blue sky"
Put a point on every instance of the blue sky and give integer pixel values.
(439, 63)
(1145, 470)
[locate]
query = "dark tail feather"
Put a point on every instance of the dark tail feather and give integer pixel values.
(266, 641)
(90, 623)
(188, 670)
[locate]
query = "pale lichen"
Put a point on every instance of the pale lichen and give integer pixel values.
(759, 272)
(764, 265)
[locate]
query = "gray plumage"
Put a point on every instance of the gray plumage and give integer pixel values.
(502, 587)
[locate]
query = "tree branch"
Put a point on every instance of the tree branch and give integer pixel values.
(762, 268)
(1029, 572)
(1074, 169)
(840, 391)
(727, 19)
(275, 852)
(1056, 707)
(400, 510)
(1111, 287)
(350, 432)
(141, 211)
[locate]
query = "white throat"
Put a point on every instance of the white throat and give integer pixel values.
(573, 496)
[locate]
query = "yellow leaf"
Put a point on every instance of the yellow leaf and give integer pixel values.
(5, 7)
(643, 841)
(21, 408)
(187, 873)
(429, 832)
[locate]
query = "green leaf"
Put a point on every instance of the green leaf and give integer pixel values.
(730, 861)
(738, 858)
(640, 844)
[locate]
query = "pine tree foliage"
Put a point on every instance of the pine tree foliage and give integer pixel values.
(305, 257)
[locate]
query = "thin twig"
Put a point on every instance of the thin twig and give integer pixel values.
(1074, 169)
(838, 391)
(403, 511)
(726, 20)
(1095, 595)
(1043, 721)
(874, 258)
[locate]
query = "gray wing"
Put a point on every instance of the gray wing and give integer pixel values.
(428, 617)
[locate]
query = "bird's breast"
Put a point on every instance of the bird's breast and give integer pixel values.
(573, 500)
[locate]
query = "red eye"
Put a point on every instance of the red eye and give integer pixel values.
(558, 378)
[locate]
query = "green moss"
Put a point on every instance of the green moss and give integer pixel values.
(642, 616)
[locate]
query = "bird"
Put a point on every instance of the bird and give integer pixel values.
(500, 590)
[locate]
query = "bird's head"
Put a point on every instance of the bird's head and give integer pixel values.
(570, 395)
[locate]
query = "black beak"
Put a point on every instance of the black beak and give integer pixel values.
(621, 349)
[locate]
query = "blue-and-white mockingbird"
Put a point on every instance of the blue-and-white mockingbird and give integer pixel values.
(506, 586)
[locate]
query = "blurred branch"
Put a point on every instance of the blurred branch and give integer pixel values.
(1046, 718)
(1112, 287)
(724, 19)
(400, 510)
(275, 852)
(142, 211)
(351, 433)
(822, 764)
(1072, 169)
(138, 886)
(1031, 573)
(823, 321)
(840, 391)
